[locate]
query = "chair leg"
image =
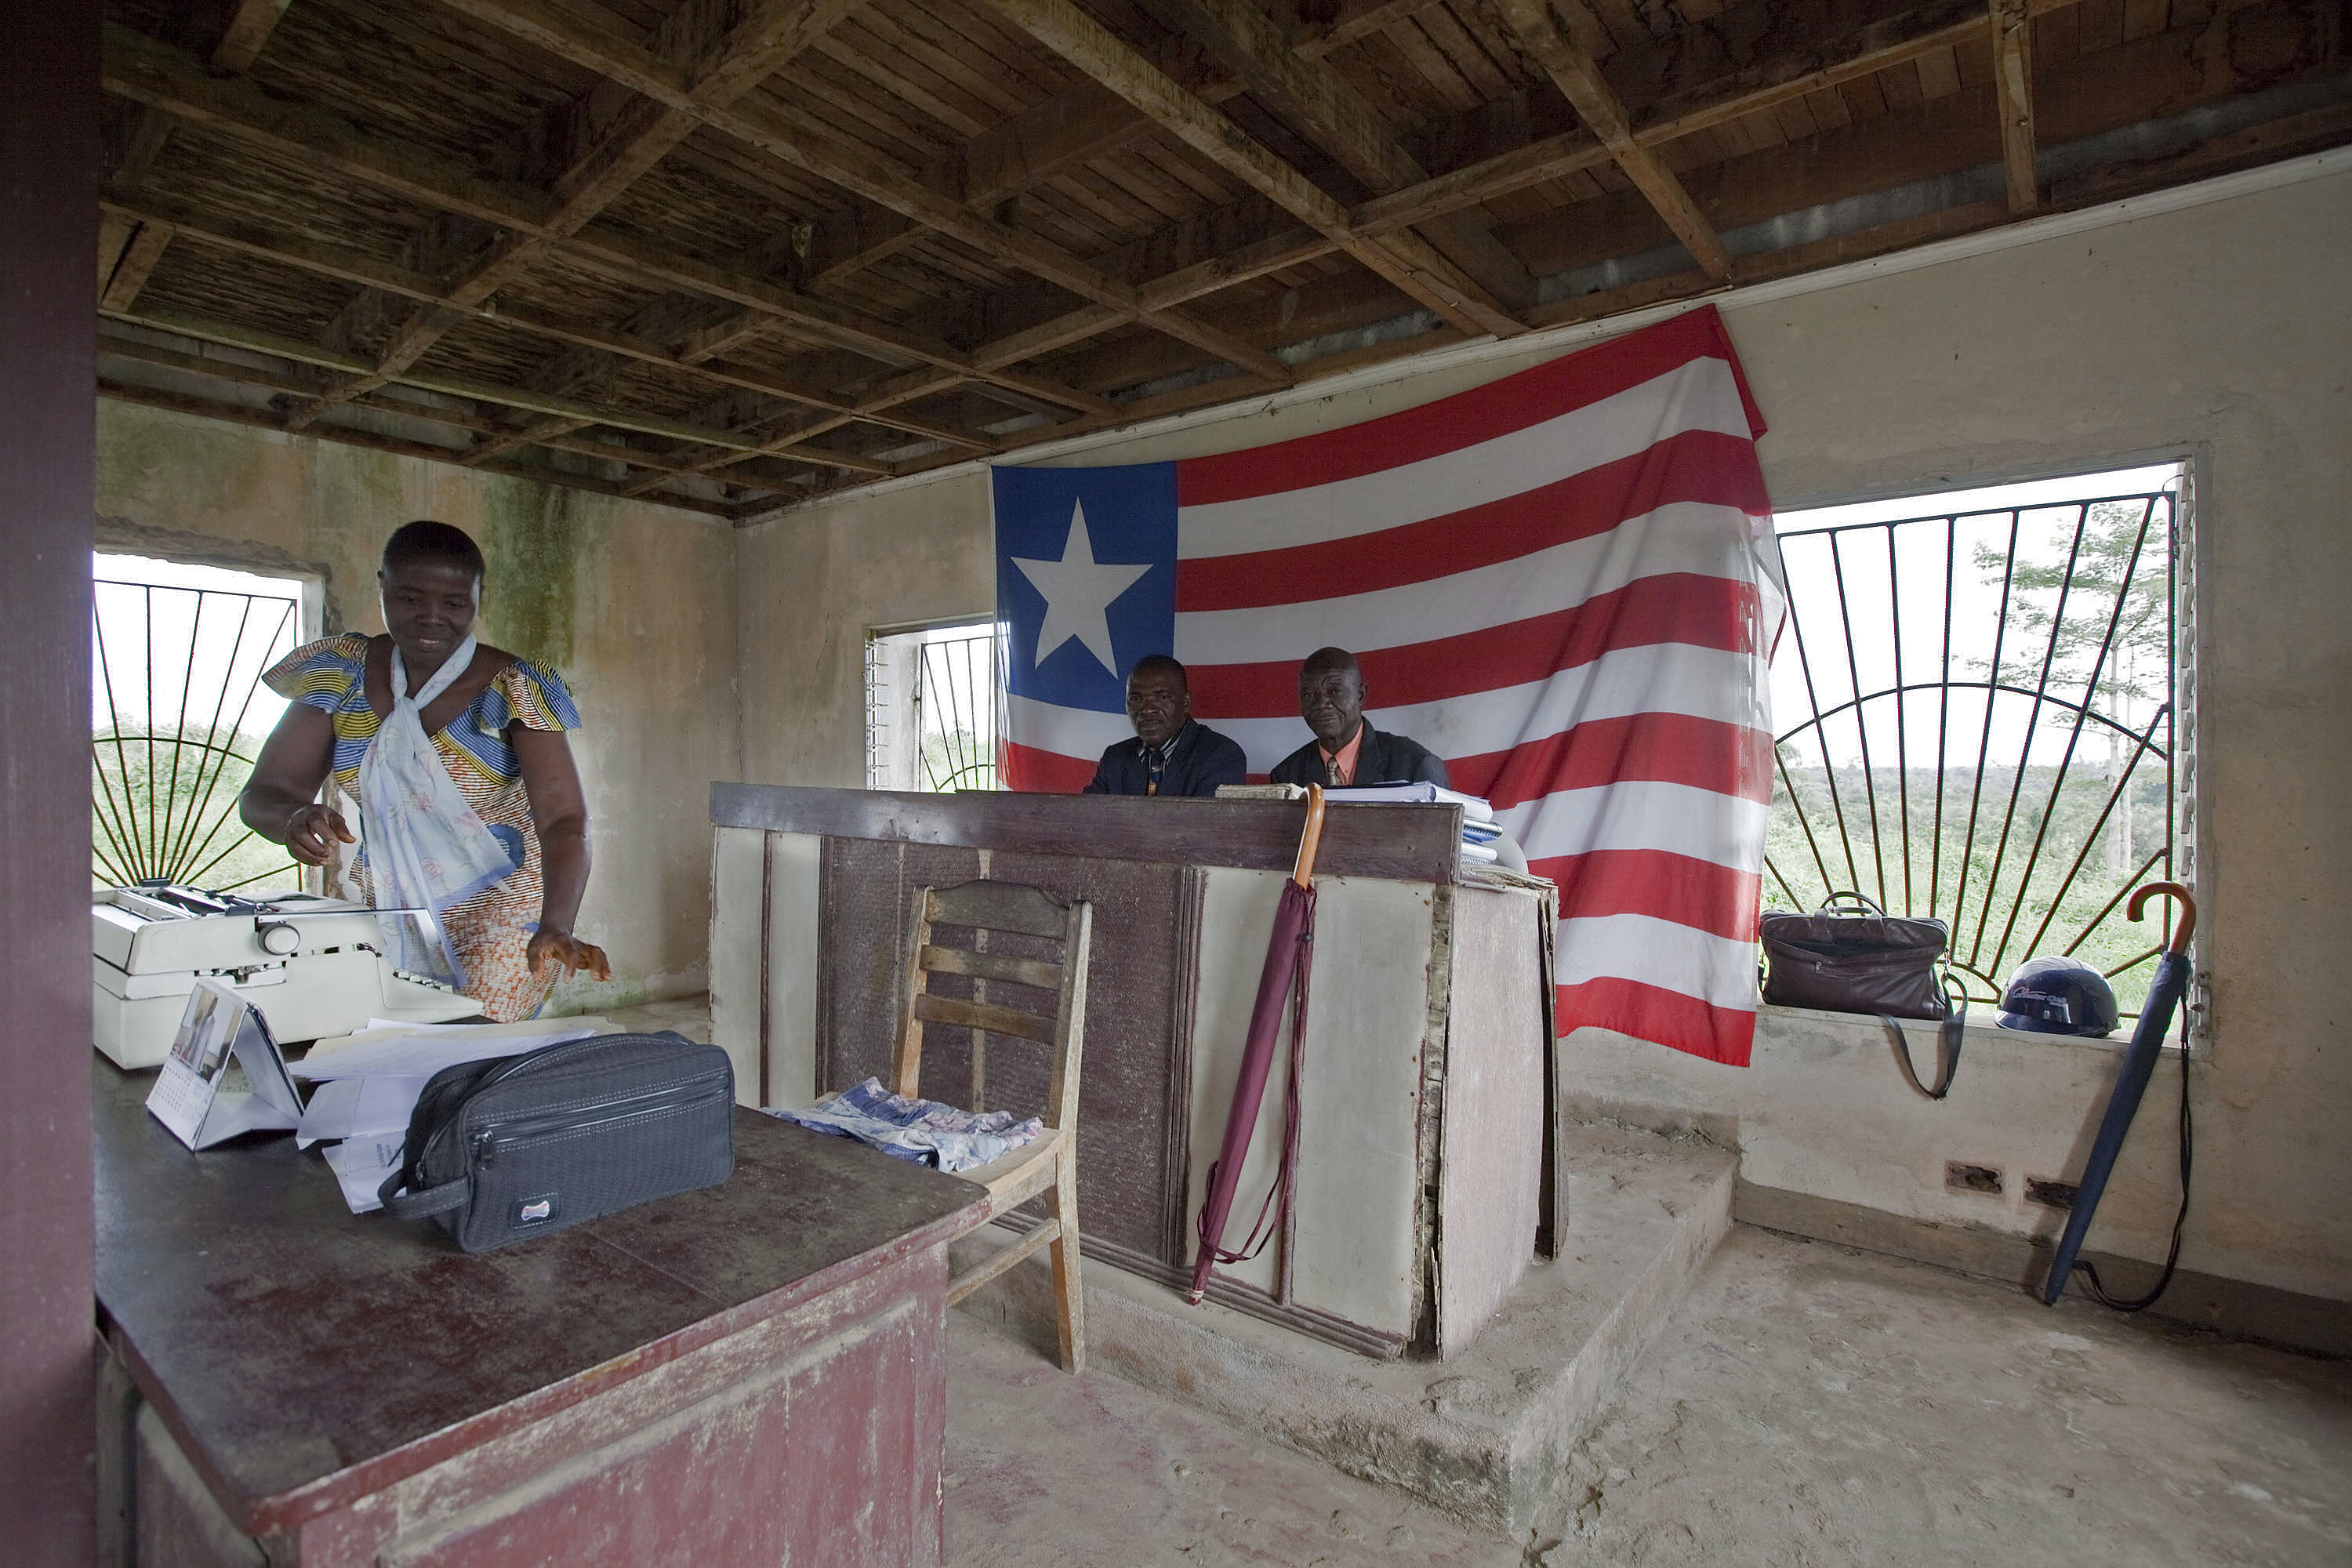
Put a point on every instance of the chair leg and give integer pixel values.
(1069, 1290)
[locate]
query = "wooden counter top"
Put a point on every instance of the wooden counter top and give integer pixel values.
(1408, 843)
(304, 1356)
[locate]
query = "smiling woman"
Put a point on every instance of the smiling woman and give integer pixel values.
(469, 803)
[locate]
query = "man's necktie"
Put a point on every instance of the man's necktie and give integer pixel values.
(1154, 759)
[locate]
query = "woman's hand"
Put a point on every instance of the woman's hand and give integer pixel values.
(550, 946)
(309, 832)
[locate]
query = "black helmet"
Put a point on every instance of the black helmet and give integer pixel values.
(2058, 996)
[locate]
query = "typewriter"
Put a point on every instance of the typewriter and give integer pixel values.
(311, 965)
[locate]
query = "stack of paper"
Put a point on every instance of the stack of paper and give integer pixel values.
(368, 1084)
(1479, 828)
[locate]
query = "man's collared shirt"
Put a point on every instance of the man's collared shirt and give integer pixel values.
(1195, 762)
(1378, 758)
(1339, 766)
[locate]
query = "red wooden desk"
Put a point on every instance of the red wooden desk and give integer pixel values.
(751, 1373)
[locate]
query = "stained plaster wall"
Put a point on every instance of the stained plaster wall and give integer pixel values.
(2220, 329)
(632, 602)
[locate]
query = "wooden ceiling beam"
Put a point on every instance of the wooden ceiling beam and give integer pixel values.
(1075, 127)
(1596, 102)
(2159, 74)
(538, 433)
(768, 126)
(239, 414)
(240, 44)
(1760, 54)
(391, 279)
(145, 71)
(1070, 130)
(907, 388)
(1750, 57)
(726, 57)
(293, 383)
(634, 261)
(1357, 20)
(1322, 106)
(2012, 78)
(248, 34)
(156, 74)
(1407, 261)
(774, 128)
(115, 233)
(137, 265)
(230, 334)
(142, 148)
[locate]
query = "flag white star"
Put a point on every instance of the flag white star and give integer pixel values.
(1078, 594)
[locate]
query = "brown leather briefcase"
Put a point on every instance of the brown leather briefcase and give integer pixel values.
(1854, 960)
(1864, 959)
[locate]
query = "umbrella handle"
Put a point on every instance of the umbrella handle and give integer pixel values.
(2188, 909)
(1305, 867)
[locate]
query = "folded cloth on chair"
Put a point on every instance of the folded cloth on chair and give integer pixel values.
(922, 1131)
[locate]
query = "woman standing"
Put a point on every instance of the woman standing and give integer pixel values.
(469, 803)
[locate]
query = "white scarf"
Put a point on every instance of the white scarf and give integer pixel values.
(427, 850)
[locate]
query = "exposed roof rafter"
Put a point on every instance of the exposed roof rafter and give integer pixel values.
(729, 254)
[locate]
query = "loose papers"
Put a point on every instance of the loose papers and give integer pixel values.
(424, 1050)
(361, 1164)
(368, 1084)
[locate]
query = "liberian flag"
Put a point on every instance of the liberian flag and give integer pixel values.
(1564, 582)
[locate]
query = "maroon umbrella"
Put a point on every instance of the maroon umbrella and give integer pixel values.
(1286, 961)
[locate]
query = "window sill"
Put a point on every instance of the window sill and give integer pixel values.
(1923, 1031)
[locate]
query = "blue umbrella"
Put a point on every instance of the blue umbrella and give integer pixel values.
(2131, 1083)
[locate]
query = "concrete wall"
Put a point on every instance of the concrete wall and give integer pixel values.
(631, 602)
(808, 587)
(2221, 330)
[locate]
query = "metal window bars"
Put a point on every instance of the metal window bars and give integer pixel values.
(956, 697)
(178, 671)
(931, 701)
(2043, 638)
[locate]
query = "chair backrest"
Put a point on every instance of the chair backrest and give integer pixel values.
(1026, 972)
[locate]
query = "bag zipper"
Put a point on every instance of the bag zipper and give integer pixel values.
(488, 1139)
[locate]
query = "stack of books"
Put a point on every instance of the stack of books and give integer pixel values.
(1479, 828)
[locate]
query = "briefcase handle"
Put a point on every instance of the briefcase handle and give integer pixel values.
(420, 1206)
(1829, 906)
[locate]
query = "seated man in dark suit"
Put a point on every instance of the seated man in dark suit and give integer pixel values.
(1172, 754)
(1346, 750)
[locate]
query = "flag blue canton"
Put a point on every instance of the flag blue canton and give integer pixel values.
(1085, 578)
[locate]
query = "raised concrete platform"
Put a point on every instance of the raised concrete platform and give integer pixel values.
(1482, 1436)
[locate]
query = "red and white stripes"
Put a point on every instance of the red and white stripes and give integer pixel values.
(1564, 583)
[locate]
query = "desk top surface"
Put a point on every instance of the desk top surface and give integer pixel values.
(1406, 843)
(289, 1342)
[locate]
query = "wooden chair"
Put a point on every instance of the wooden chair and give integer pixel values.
(1005, 991)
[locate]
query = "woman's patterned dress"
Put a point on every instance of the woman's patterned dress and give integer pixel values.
(492, 930)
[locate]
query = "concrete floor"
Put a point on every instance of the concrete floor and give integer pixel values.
(1809, 1404)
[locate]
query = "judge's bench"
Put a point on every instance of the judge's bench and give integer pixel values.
(1423, 1184)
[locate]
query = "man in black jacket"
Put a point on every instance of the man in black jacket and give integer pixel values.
(1171, 752)
(1346, 750)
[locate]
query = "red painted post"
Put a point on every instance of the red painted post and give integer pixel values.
(49, 106)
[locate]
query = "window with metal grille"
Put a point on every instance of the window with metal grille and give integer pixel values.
(932, 696)
(1982, 715)
(178, 715)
